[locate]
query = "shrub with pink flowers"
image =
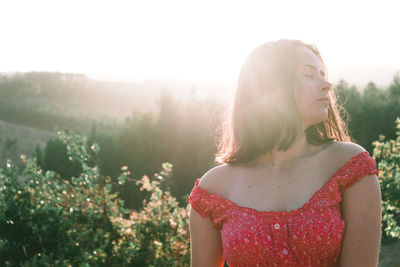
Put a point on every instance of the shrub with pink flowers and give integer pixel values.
(46, 220)
(387, 155)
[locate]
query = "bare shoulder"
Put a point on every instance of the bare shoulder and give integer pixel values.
(214, 180)
(361, 211)
(343, 151)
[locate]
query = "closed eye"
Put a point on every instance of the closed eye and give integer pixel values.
(310, 74)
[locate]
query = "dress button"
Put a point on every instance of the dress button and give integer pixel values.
(276, 226)
(284, 251)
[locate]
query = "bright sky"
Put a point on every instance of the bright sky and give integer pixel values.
(188, 40)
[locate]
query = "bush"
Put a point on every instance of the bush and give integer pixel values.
(387, 155)
(47, 220)
(57, 159)
(161, 229)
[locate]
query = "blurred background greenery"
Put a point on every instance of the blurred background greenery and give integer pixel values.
(142, 126)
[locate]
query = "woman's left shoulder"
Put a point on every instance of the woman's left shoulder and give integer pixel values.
(363, 169)
(346, 150)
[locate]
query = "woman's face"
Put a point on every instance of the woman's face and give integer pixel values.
(311, 87)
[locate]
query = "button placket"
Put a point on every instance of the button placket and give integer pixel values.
(279, 227)
(279, 230)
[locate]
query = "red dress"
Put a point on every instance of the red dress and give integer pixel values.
(307, 236)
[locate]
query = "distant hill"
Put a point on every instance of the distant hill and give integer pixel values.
(359, 76)
(16, 140)
(78, 94)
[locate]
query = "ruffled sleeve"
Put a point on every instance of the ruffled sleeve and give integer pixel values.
(209, 205)
(358, 167)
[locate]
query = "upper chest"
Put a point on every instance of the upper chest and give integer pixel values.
(283, 190)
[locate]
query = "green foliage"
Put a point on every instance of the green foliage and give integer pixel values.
(143, 141)
(161, 227)
(109, 157)
(57, 159)
(10, 143)
(371, 106)
(394, 89)
(46, 220)
(387, 154)
(38, 154)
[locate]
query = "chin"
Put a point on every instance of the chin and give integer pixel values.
(324, 116)
(319, 120)
(316, 118)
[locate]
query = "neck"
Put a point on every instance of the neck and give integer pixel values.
(279, 159)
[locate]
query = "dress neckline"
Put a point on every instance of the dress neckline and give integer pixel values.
(290, 212)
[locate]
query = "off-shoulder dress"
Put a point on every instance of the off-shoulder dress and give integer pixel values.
(308, 236)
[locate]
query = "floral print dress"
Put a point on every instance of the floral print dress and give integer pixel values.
(308, 236)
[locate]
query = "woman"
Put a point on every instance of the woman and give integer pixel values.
(292, 189)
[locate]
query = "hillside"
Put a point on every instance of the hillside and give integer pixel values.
(18, 139)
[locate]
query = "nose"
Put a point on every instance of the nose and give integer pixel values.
(326, 86)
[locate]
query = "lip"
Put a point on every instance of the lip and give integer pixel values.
(325, 101)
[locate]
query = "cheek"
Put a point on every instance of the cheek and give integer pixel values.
(303, 99)
(307, 106)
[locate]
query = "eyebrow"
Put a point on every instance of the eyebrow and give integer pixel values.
(313, 67)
